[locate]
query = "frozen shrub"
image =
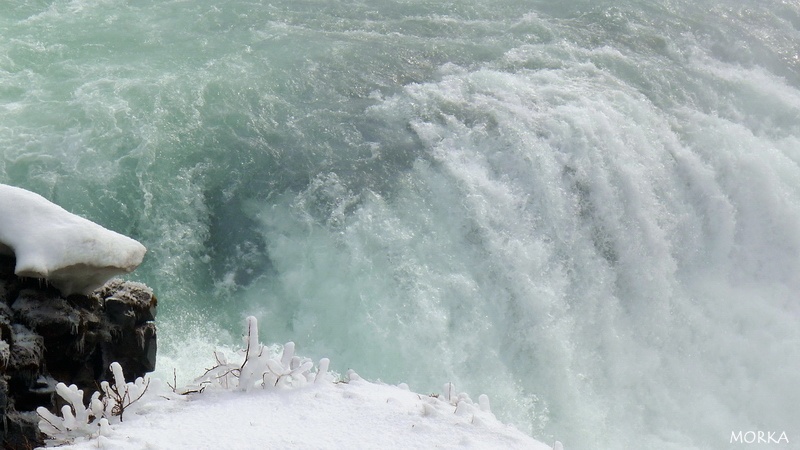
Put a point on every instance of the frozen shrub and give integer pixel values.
(79, 420)
(257, 367)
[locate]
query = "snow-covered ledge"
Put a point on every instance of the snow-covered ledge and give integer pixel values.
(73, 254)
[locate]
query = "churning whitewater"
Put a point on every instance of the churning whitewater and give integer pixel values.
(589, 211)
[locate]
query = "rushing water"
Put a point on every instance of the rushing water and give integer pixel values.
(588, 210)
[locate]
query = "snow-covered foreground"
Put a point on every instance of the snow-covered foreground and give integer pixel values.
(267, 397)
(356, 415)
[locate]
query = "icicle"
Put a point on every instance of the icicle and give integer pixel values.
(119, 377)
(253, 345)
(69, 419)
(275, 367)
(448, 390)
(288, 354)
(50, 423)
(105, 428)
(322, 371)
(483, 401)
(464, 408)
(96, 405)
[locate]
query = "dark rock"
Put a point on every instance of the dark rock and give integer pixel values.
(130, 309)
(126, 297)
(46, 338)
(26, 364)
(21, 431)
(47, 314)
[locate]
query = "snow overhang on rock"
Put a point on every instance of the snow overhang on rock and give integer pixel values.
(73, 254)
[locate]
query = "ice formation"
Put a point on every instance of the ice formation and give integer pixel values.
(72, 253)
(287, 404)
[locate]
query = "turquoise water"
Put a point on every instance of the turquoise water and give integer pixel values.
(589, 211)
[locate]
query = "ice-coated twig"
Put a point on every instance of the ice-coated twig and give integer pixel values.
(322, 371)
(108, 404)
(258, 368)
(121, 395)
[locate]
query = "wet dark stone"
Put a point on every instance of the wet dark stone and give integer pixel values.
(21, 431)
(46, 338)
(130, 310)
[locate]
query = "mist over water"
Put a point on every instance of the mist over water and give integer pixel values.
(589, 211)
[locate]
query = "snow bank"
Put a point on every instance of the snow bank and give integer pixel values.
(357, 414)
(270, 398)
(73, 254)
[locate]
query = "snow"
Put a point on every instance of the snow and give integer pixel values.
(267, 397)
(357, 414)
(72, 253)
